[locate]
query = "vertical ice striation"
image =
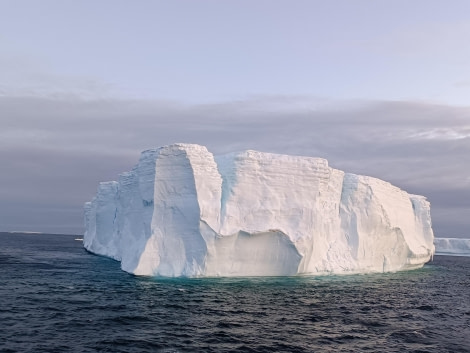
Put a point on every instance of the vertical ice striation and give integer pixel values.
(182, 212)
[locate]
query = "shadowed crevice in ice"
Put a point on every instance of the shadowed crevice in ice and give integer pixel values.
(269, 253)
(226, 167)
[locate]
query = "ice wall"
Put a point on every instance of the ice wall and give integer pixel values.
(182, 212)
(452, 246)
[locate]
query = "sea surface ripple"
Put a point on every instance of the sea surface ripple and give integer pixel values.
(56, 297)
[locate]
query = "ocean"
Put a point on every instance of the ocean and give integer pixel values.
(57, 297)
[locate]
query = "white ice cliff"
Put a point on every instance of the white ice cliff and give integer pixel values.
(183, 212)
(452, 246)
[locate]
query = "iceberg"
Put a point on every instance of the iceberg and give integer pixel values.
(181, 211)
(452, 246)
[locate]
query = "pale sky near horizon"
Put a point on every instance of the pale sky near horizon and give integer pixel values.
(377, 87)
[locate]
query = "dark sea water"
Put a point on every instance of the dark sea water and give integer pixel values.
(56, 297)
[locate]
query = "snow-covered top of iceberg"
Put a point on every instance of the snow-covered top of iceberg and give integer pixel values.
(452, 246)
(183, 212)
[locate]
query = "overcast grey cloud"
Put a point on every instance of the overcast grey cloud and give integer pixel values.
(54, 152)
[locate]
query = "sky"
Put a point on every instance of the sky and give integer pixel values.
(379, 88)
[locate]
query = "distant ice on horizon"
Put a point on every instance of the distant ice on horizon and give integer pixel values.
(24, 232)
(452, 246)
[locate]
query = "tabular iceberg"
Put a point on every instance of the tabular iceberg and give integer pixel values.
(183, 212)
(452, 246)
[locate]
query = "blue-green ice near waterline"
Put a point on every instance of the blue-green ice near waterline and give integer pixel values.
(56, 297)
